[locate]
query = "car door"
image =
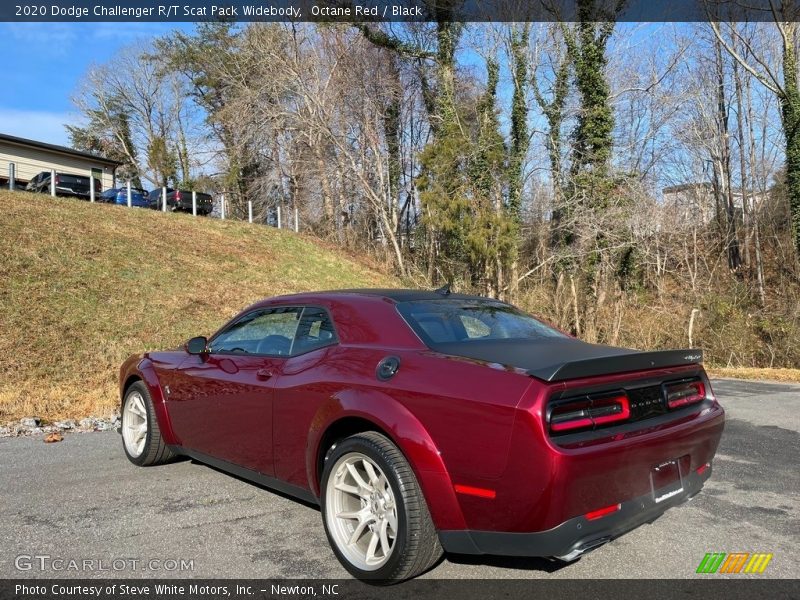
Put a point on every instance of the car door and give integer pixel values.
(221, 403)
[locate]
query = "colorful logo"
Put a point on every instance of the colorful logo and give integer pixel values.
(737, 562)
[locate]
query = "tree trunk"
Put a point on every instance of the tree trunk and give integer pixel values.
(327, 197)
(762, 188)
(725, 188)
(790, 111)
(747, 187)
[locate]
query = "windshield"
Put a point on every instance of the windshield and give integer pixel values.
(467, 320)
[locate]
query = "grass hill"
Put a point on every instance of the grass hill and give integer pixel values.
(84, 285)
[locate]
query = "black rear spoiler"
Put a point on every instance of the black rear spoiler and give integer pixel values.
(618, 363)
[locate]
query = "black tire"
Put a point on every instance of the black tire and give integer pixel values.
(155, 451)
(417, 546)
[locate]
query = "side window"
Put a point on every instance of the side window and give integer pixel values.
(314, 331)
(269, 331)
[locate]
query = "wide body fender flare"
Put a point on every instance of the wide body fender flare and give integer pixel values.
(407, 433)
(143, 369)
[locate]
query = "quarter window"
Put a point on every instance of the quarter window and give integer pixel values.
(314, 331)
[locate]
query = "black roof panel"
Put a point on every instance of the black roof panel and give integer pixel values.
(406, 295)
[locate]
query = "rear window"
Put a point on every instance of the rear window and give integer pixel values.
(73, 179)
(445, 321)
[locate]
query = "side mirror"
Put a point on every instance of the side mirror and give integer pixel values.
(197, 345)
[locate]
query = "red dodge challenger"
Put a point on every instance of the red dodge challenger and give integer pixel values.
(424, 422)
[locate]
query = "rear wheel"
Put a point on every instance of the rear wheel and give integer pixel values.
(141, 437)
(374, 513)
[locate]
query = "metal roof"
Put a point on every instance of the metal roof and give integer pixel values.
(54, 148)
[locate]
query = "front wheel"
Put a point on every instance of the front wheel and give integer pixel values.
(374, 513)
(141, 436)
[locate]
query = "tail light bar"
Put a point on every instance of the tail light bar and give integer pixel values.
(602, 512)
(588, 412)
(684, 393)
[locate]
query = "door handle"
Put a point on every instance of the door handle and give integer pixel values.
(264, 374)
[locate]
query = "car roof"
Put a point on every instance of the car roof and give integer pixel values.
(394, 294)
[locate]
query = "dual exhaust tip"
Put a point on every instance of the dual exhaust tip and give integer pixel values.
(583, 549)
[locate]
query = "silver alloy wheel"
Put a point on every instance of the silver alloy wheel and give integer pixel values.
(134, 424)
(361, 511)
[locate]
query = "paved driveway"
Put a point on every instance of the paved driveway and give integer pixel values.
(81, 499)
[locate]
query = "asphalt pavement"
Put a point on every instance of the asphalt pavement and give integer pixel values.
(87, 510)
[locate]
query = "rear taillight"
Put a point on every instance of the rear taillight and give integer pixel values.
(588, 412)
(58, 179)
(573, 415)
(177, 197)
(684, 393)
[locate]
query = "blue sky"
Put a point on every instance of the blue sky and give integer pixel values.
(43, 65)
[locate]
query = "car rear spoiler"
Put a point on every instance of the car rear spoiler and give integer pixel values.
(618, 363)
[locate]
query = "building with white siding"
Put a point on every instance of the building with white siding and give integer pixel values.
(27, 158)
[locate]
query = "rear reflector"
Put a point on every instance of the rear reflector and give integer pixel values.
(602, 512)
(474, 491)
(683, 394)
(589, 412)
(702, 468)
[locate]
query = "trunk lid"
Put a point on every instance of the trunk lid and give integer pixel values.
(560, 359)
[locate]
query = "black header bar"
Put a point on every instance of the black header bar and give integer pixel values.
(395, 10)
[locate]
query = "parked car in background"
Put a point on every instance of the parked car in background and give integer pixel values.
(181, 200)
(427, 421)
(139, 198)
(66, 185)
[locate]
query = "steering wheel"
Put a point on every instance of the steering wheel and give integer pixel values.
(273, 344)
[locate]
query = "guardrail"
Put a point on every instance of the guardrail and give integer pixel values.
(13, 184)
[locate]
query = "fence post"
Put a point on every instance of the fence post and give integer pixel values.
(53, 182)
(12, 176)
(222, 206)
(250, 210)
(296, 220)
(91, 186)
(164, 199)
(194, 204)
(130, 200)
(279, 216)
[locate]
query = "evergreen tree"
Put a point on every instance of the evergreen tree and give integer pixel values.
(108, 133)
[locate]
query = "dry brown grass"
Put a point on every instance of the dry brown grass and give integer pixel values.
(783, 375)
(83, 286)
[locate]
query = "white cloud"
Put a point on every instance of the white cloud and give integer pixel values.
(42, 126)
(125, 32)
(46, 38)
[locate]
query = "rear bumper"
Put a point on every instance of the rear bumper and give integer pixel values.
(571, 538)
(60, 191)
(186, 204)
